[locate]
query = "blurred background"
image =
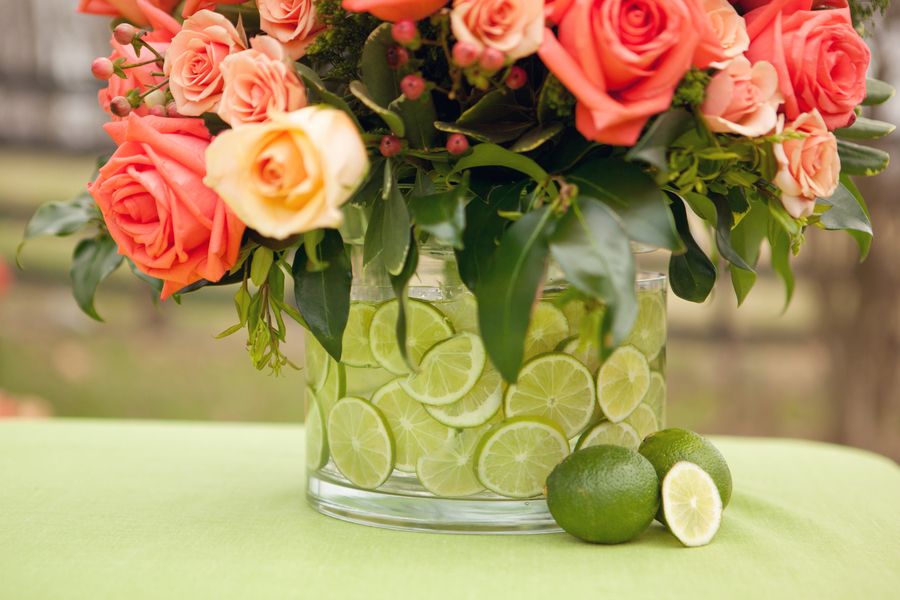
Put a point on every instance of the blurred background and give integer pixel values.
(828, 368)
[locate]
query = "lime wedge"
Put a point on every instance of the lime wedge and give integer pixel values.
(449, 471)
(554, 386)
(643, 419)
(691, 504)
(355, 344)
(515, 457)
(586, 352)
(656, 398)
(316, 363)
(415, 433)
(622, 382)
(448, 371)
(614, 434)
(462, 312)
(426, 326)
(649, 332)
(333, 389)
(477, 407)
(360, 442)
(547, 329)
(316, 445)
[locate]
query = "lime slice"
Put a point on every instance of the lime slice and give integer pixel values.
(316, 446)
(575, 311)
(622, 382)
(649, 332)
(450, 471)
(462, 312)
(333, 389)
(586, 352)
(614, 434)
(317, 360)
(360, 442)
(415, 433)
(363, 381)
(426, 326)
(477, 407)
(355, 344)
(656, 398)
(643, 419)
(691, 503)
(554, 386)
(514, 458)
(448, 371)
(547, 329)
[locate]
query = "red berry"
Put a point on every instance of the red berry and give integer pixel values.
(397, 57)
(465, 54)
(120, 106)
(412, 86)
(491, 60)
(390, 146)
(102, 68)
(457, 144)
(405, 32)
(124, 33)
(517, 78)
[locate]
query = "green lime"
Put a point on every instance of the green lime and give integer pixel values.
(610, 434)
(462, 312)
(649, 332)
(476, 407)
(449, 471)
(575, 311)
(586, 352)
(363, 381)
(514, 458)
(548, 327)
(603, 494)
(316, 363)
(316, 445)
(656, 398)
(556, 387)
(425, 327)
(691, 503)
(356, 351)
(643, 419)
(622, 382)
(665, 448)
(334, 388)
(415, 432)
(360, 442)
(448, 371)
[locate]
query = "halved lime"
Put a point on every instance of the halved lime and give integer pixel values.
(355, 344)
(360, 442)
(425, 327)
(448, 371)
(622, 382)
(316, 445)
(656, 398)
(649, 332)
(557, 387)
(316, 363)
(363, 381)
(643, 419)
(606, 433)
(477, 407)
(415, 432)
(450, 471)
(334, 388)
(548, 328)
(691, 504)
(462, 312)
(514, 458)
(586, 352)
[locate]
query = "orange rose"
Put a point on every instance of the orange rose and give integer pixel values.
(395, 10)
(291, 22)
(156, 207)
(809, 167)
(128, 9)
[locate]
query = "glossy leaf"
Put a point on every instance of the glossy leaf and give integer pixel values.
(262, 261)
(861, 160)
(654, 145)
(395, 226)
(443, 215)
(399, 284)
(60, 218)
(418, 118)
(390, 118)
(492, 133)
(491, 155)
(324, 95)
(847, 214)
(746, 239)
(780, 245)
(724, 224)
(94, 260)
(878, 92)
(692, 274)
(537, 137)
(382, 81)
(863, 240)
(865, 129)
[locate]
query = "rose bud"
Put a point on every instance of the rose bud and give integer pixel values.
(124, 33)
(397, 57)
(412, 86)
(120, 106)
(465, 54)
(457, 144)
(517, 78)
(405, 33)
(157, 111)
(102, 68)
(491, 60)
(390, 146)
(155, 98)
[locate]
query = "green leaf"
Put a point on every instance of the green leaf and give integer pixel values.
(394, 224)
(861, 160)
(382, 81)
(847, 214)
(262, 261)
(154, 283)
(443, 215)
(571, 148)
(865, 129)
(878, 92)
(725, 222)
(746, 239)
(509, 289)
(94, 260)
(492, 133)
(60, 219)
(390, 118)
(863, 240)
(311, 80)
(635, 198)
(496, 105)
(418, 118)
(691, 274)
(368, 191)
(535, 138)
(323, 297)
(654, 145)
(592, 248)
(491, 155)
(373, 244)
(780, 244)
(702, 206)
(399, 283)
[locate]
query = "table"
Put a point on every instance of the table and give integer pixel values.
(93, 509)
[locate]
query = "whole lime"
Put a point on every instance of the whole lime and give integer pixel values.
(603, 494)
(665, 448)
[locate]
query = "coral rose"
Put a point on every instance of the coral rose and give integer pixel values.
(291, 22)
(259, 82)
(821, 60)
(395, 10)
(194, 60)
(730, 28)
(623, 59)
(514, 27)
(127, 9)
(291, 174)
(156, 207)
(743, 99)
(808, 167)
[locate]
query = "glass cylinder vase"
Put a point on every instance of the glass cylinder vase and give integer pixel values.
(438, 441)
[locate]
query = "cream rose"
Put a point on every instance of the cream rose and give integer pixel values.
(514, 27)
(730, 29)
(194, 59)
(290, 174)
(808, 167)
(743, 99)
(291, 22)
(259, 82)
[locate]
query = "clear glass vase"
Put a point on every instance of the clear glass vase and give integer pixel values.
(450, 447)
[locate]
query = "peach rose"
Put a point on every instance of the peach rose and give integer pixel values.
(514, 27)
(194, 59)
(290, 174)
(156, 207)
(194, 6)
(127, 9)
(259, 82)
(291, 22)
(742, 99)
(821, 60)
(395, 10)
(808, 167)
(730, 28)
(623, 59)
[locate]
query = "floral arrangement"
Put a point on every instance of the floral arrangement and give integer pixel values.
(255, 140)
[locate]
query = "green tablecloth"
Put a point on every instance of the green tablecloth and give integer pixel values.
(151, 510)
